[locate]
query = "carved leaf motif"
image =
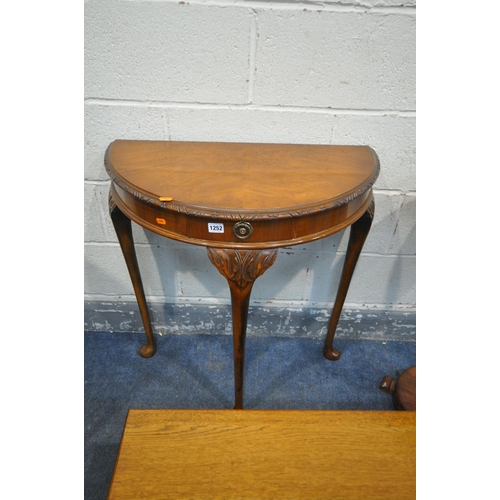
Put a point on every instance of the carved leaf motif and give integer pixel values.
(242, 266)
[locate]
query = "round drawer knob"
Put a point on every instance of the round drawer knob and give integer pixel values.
(242, 230)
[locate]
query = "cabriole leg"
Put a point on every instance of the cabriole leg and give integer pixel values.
(241, 268)
(359, 232)
(123, 228)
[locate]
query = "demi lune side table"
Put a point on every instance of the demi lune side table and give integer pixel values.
(243, 201)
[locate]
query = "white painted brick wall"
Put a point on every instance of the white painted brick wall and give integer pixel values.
(163, 51)
(330, 72)
(348, 60)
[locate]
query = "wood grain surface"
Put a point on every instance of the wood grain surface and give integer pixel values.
(266, 454)
(287, 194)
(241, 176)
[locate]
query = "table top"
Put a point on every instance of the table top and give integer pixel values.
(168, 186)
(266, 454)
(242, 176)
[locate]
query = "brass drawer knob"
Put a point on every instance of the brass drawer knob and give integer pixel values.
(242, 230)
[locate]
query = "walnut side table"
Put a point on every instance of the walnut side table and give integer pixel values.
(242, 201)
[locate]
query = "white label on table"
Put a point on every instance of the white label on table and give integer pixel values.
(215, 228)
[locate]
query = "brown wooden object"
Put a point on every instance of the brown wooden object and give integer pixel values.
(403, 389)
(266, 454)
(357, 237)
(241, 201)
(123, 228)
(241, 268)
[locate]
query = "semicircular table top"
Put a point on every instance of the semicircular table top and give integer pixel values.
(242, 177)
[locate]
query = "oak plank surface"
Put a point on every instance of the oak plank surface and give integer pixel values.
(266, 454)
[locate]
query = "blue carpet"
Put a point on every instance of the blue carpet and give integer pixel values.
(196, 371)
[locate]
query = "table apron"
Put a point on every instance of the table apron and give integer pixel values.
(266, 233)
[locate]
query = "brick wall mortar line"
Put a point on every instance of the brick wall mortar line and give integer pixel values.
(395, 223)
(252, 55)
(249, 107)
(166, 124)
(103, 215)
(394, 192)
(364, 8)
(97, 182)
